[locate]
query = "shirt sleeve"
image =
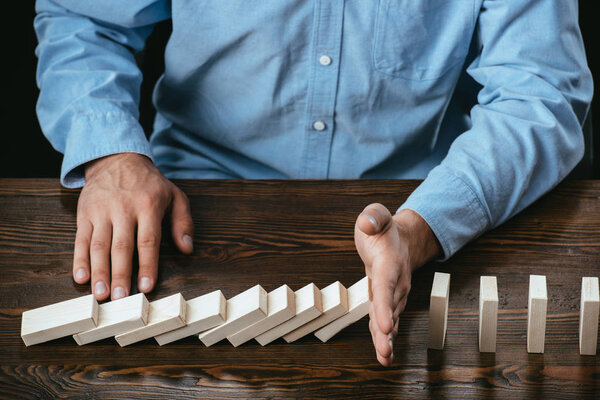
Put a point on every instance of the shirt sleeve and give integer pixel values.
(526, 132)
(88, 77)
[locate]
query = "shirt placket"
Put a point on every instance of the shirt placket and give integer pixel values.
(322, 87)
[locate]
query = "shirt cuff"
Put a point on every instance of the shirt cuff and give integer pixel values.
(451, 208)
(93, 136)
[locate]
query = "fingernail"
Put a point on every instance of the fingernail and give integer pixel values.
(373, 221)
(81, 274)
(391, 342)
(187, 239)
(99, 288)
(144, 284)
(118, 293)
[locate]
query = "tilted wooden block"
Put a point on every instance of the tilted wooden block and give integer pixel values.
(164, 315)
(203, 313)
(335, 304)
(58, 320)
(536, 316)
(308, 307)
(243, 310)
(359, 301)
(488, 313)
(116, 317)
(281, 306)
(588, 322)
(438, 311)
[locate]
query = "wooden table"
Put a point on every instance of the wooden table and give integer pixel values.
(297, 232)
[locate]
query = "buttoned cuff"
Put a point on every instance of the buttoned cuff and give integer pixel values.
(452, 209)
(93, 136)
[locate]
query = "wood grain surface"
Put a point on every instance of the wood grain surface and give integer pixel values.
(297, 232)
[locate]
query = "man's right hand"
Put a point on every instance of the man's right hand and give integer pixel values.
(125, 195)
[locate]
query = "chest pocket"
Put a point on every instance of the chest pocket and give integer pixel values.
(422, 39)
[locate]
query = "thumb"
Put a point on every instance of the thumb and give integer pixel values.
(182, 226)
(374, 219)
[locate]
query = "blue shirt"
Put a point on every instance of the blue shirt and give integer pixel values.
(483, 98)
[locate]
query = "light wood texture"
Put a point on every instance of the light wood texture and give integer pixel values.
(58, 320)
(536, 314)
(359, 301)
(438, 311)
(116, 317)
(203, 313)
(488, 313)
(309, 306)
(164, 315)
(335, 304)
(588, 319)
(281, 305)
(243, 310)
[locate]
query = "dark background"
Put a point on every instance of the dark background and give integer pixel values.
(24, 152)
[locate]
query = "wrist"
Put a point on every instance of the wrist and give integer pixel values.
(92, 167)
(422, 243)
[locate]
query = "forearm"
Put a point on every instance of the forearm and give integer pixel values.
(89, 81)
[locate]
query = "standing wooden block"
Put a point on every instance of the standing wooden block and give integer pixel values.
(359, 301)
(203, 313)
(164, 315)
(243, 310)
(588, 322)
(116, 317)
(58, 320)
(438, 311)
(335, 304)
(488, 313)
(281, 306)
(536, 317)
(308, 307)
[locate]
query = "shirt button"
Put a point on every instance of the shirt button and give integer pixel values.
(325, 60)
(319, 125)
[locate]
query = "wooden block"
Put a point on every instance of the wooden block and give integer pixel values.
(164, 315)
(335, 304)
(359, 301)
(58, 320)
(438, 311)
(488, 313)
(308, 307)
(536, 316)
(203, 313)
(243, 310)
(588, 322)
(281, 306)
(116, 317)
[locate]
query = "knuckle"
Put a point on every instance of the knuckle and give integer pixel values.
(122, 244)
(98, 244)
(148, 241)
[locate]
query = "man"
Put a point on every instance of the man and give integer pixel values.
(483, 98)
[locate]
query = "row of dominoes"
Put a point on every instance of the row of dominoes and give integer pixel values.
(536, 318)
(252, 314)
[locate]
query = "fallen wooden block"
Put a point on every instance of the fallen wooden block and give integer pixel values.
(116, 317)
(308, 307)
(58, 320)
(588, 320)
(536, 316)
(203, 313)
(438, 311)
(164, 315)
(359, 301)
(281, 306)
(488, 313)
(335, 304)
(242, 310)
